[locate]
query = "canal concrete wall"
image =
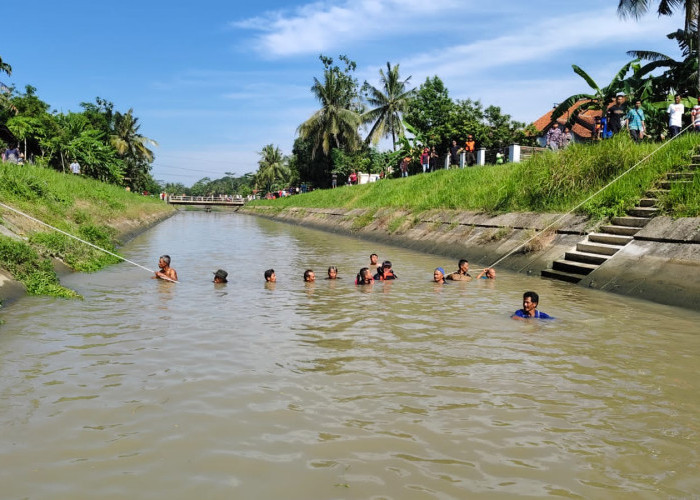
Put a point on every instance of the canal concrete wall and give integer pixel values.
(661, 264)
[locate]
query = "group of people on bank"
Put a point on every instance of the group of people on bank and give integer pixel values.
(383, 272)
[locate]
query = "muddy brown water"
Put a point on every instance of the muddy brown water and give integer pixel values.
(402, 390)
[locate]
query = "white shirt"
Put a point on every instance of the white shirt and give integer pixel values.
(675, 115)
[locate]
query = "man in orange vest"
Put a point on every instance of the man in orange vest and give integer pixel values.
(469, 148)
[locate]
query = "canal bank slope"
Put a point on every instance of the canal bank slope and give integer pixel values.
(102, 214)
(661, 264)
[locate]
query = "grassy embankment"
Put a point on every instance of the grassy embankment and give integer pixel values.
(86, 208)
(548, 182)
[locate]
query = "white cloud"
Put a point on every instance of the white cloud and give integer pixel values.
(318, 27)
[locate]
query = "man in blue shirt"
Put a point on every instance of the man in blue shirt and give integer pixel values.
(635, 121)
(529, 310)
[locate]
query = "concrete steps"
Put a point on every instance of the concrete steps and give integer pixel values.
(562, 276)
(602, 249)
(586, 257)
(630, 221)
(600, 246)
(620, 230)
(609, 239)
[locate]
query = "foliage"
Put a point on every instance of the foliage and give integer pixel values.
(598, 100)
(389, 101)
(549, 182)
(336, 123)
(37, 274)
(105, 142)
(273, 170)
(429, 112)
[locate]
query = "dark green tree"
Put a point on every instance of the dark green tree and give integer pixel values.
(429, 112)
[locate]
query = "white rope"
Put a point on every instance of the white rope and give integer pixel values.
(82, 241)
(591, 196)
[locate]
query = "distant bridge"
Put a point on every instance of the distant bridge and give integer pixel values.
(207, 201)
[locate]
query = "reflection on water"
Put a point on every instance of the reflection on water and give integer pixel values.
(397, 390)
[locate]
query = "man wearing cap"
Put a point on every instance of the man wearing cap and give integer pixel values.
(616, 114)
(220, 276)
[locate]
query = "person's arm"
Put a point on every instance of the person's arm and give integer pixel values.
(482, 273)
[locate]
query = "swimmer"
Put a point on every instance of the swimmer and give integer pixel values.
(220, 276)
(385, 272)
(309, 276)
(439, 275)
(270, 276)
(364, 277)
(488, 273)
(166, 272)
(462, 273)
(529, 310)
(332, 273)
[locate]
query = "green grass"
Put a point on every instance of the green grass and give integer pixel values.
(83, 207)
(36, 273)
(548, 182)
(683, 200)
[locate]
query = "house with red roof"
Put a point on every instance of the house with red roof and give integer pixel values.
(582, 127)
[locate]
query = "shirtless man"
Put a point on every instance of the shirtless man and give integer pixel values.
(461, 274)
(166, 272)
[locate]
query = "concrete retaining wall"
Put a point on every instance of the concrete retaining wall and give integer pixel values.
(662, 264)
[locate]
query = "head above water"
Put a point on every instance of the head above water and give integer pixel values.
(165, 259)
(534, 298)
(270, 275)
(220, 276)
(309, 276)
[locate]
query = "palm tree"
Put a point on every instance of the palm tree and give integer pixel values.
(126, 139)
(335, 124)
(132, 147)
(389, 103)
(5, 68)
(272, 167)
(691, 8)
(598, 100)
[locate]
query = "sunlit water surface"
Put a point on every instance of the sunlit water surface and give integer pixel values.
(403, 390)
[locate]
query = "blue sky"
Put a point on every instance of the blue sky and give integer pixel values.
(214, 81)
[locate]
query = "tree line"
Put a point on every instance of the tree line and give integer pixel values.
(104, 141)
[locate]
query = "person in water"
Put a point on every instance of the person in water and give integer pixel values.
(220, 276)
(488, 273)
(385, 272)
(166, 272)
(332, 273)
(270, 276)
(309, 276)
(439, 275)
(529, 310)
(374, 261)
(364, 277)
(462, 272)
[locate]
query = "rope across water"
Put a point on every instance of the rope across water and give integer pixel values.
(80, 239)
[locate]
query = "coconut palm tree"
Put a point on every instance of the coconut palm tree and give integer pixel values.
(5, 68)
(132, 147)
(335, 124)
(272, 167)
(389, 102)
(691, 8)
